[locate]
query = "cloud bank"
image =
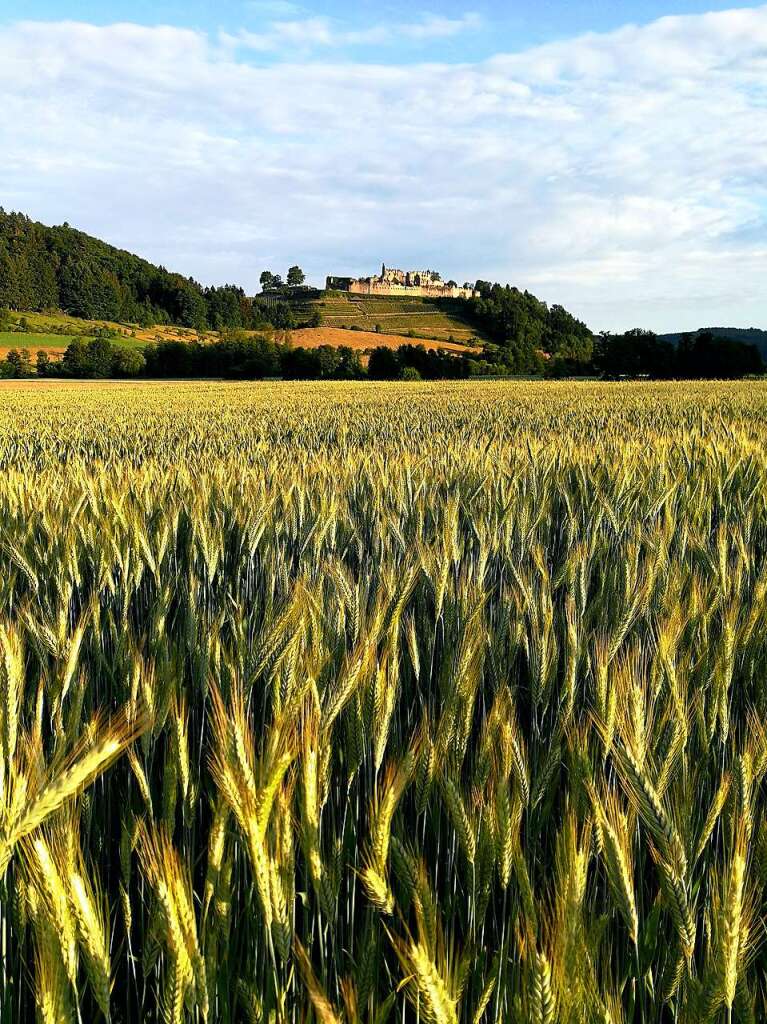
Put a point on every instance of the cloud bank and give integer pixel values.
(623, 174)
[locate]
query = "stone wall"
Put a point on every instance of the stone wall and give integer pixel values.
(377, 287)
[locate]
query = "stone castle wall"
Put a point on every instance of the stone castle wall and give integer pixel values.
(424, 291)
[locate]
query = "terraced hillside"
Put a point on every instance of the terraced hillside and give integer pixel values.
(423, 317)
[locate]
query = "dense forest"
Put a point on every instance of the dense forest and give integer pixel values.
(47, 268)
(524, 328)
(237, 355)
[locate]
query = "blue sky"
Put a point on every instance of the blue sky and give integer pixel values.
(501, 25)
(608, 156)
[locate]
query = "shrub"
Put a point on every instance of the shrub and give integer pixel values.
(410, 374)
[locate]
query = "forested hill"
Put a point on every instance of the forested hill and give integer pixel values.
(524, 327)
(746, 335)
(62, 268)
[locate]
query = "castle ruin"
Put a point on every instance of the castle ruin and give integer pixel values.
(421, 283)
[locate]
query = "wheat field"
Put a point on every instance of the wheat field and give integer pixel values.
(363, 703)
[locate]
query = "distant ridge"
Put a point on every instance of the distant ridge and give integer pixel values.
(747, 335)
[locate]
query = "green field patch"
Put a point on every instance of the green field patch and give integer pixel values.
(15, 339)
(35, 340)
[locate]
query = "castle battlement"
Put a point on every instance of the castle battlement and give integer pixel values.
(418, 283)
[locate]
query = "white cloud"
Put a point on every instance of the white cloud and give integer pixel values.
(624, 174)
(434, 27)
(306, 34)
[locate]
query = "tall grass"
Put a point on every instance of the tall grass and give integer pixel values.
(360, 703)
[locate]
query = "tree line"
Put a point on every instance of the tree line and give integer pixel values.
(702, 354)
(239, 356)
(235, 356)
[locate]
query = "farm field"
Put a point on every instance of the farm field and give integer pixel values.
(313, 337)
(435, 702)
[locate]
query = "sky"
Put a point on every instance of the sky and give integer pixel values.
(608, 156)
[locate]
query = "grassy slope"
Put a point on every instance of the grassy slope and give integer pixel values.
(53, 342)
(395, 316)
(54, 332)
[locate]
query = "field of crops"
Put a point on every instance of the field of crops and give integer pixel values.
(353, 703)
(365, 341)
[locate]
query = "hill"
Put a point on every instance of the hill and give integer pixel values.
(49, 268)
(60, 268)
(746, 335)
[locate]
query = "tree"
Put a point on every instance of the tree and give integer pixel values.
(75, 361)
(100, 356)
(281, 316)
(128, 362)
(145, 315)
(19, 362)
(349, 365)
(410, 374)
(383, 364)
(5, 318)
(296, 277)
(191, 310)
(43, 363)
(267, 281)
